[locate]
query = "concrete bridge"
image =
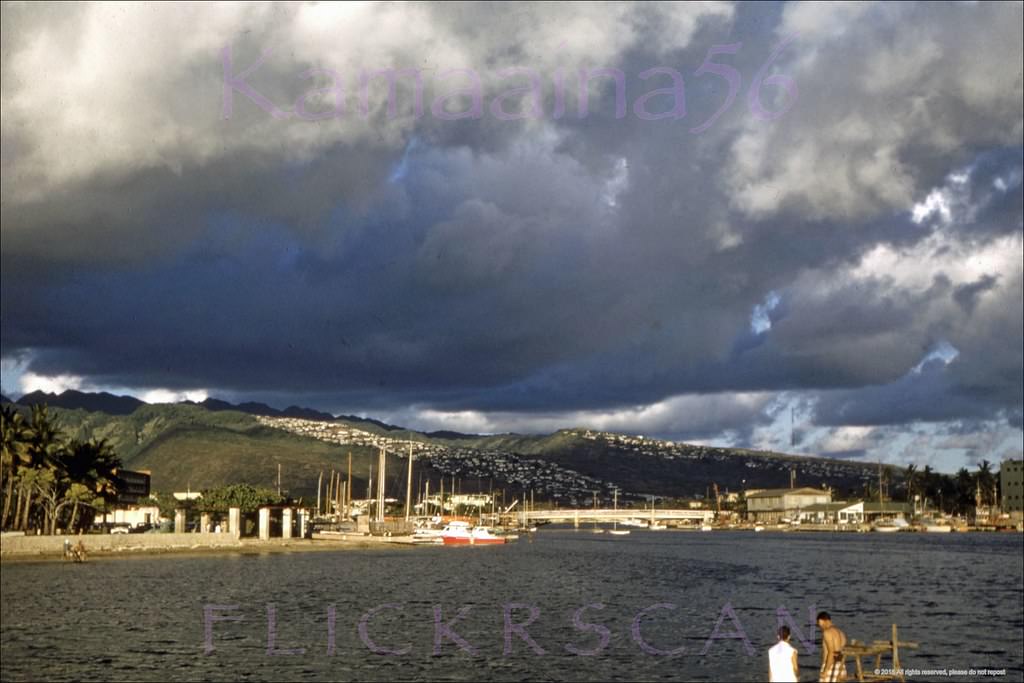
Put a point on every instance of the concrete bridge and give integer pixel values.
(577, 516)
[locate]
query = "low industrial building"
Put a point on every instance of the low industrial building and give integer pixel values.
(839, 512)
(876, 512)
(855, 512)
(772, 505)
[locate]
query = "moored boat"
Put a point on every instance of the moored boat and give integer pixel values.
(888, 526)
(634, 522)
(427, 536)
(615, 530)
(933, 526)
(461, 533)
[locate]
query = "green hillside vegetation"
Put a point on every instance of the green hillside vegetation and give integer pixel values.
(189, 447)
(130, 434)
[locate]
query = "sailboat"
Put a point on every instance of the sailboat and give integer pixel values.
(654, 524)
(886, 525)
(597, 529)
(615, 530)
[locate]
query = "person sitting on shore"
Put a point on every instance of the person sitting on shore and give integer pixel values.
(782, 663)
(833, 661)
(79, 551)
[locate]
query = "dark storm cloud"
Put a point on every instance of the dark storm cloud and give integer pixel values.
(523, 267)
(967, 295)
(926, 395)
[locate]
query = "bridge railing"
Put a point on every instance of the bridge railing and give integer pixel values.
(585, 514)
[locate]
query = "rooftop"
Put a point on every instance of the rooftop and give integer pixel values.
(774, 493)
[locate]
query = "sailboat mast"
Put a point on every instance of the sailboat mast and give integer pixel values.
(381, 468)
(319, 487)
(615, 509)
(879, 485)
(348, 489)
(408, 486)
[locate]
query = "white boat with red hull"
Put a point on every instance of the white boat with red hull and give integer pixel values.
(462, 533)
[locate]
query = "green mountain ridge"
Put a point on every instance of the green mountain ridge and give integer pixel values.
(186, 446)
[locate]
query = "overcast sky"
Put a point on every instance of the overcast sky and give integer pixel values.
(217, 200)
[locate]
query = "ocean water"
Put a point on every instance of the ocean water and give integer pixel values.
(568, 605)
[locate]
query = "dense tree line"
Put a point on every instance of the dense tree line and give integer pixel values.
(956, 494)
(216, 501)
(49, 482)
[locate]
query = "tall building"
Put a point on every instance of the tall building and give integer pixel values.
(133, 486)
(1011, 486)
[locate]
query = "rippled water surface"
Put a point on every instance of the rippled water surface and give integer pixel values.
(142, 618)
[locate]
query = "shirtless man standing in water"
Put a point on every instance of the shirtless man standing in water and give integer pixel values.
(833, 666)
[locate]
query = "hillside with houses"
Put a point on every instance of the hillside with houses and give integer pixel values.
(191, 445)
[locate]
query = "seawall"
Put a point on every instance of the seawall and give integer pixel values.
(54, 545)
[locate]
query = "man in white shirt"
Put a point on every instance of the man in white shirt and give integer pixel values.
(782, 666)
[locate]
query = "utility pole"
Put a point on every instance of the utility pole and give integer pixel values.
(381, 469)
(279, 479)
(319, 487)
(408, 486)
(340, 495)
(348, 489)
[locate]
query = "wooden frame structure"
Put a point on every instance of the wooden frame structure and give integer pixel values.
(878, 649)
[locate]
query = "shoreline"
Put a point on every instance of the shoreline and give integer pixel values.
(20, 549)
(201, 547)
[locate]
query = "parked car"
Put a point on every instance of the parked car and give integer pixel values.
(119, 529)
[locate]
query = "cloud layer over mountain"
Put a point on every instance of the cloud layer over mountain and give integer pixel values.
(845, 240)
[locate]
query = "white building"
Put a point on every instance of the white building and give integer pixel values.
(134, 515)
(839, 512)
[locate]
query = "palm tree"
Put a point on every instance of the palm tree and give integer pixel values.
(42, 450)
(13, 455)
(928, 482)
(92, 465)
(965, 489)
(49, 474)
(910, 477)
(985, 481)
(947, 492)
(76, 494)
